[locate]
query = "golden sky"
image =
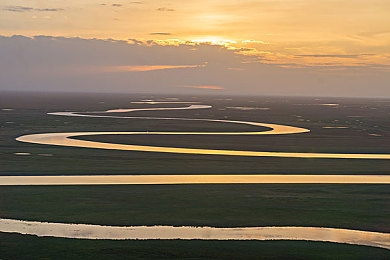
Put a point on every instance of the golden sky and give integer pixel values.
(263, 47)
(290, 33)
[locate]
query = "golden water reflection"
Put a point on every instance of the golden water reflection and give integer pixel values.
(85, 231)
(65, 139)
(189, 179)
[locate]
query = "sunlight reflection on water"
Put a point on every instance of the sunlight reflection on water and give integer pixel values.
(85, 231)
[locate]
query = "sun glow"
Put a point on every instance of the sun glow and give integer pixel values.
(214, 40)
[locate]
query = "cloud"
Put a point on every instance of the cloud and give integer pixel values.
(50, 63)
(204, 87)
(236, 69)
(371, 34)
(145, 68)
(160, 33)
(17, 8)
(135, 41)
(164, 9)
(255, 41)
(48, 9)
(347, 56)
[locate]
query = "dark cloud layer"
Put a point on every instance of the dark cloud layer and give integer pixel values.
(160, 33)
(73, 64)
(26, 9)
(164, 9)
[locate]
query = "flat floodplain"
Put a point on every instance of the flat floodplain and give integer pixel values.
(336, 126)
(38, 248)
(359, 207)
(346, 126)
(352, 206)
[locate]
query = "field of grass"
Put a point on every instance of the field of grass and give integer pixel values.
(52, 248)
(363, 207)
(367, 120)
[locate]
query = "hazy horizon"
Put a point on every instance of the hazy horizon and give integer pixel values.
(178, 95)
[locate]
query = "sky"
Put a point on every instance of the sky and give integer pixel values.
(263, 47)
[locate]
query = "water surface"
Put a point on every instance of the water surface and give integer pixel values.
(85, 231)
(65, 139)
(189, 179)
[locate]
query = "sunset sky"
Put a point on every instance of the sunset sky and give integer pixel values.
(292, 47)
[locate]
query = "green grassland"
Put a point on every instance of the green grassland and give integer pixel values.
(362, 207)
(59, 248)
(362, 117)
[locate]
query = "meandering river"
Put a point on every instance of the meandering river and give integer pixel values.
(65, 139)
(86, 231)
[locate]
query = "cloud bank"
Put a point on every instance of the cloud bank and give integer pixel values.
(45, 63)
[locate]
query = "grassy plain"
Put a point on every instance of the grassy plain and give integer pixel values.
(367, 122)
(363, 207)
(52, 248)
